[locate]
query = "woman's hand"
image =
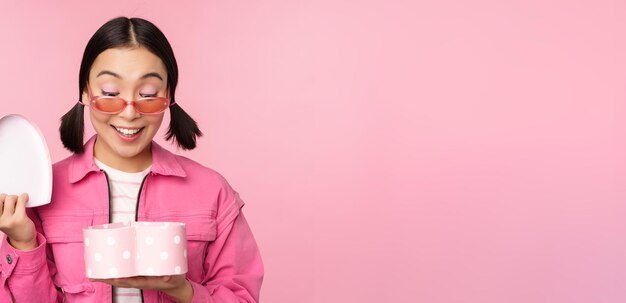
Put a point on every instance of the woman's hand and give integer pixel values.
(15, 223)
(175, 286)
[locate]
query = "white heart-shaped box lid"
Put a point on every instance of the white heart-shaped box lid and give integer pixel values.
(25, 165)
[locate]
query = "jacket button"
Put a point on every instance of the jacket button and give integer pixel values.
(9, 259)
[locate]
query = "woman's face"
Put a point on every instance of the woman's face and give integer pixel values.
(131, 73)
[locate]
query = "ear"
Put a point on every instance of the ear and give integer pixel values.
(84, 99)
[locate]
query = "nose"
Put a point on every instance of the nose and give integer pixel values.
(129, 112)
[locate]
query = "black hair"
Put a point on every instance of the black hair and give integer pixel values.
(129, 32)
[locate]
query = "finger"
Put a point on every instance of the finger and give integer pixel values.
(128, 282)
(20, 208)
(107, 281)
(9, 205)
(2, 197)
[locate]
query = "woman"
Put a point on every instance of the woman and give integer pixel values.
(121, 174)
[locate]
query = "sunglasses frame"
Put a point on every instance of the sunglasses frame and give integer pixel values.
(93, 100)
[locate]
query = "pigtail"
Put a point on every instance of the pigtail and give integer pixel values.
(72, 129)
(183, 128)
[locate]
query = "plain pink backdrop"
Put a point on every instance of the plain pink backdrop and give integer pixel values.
(388, 151)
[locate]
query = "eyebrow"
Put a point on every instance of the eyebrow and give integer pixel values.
(148, 75)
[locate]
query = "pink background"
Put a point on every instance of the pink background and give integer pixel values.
(407, 151)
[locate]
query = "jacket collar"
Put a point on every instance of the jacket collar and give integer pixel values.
(163, 162)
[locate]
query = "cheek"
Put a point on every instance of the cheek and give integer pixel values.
(98, 119)
(155, 121)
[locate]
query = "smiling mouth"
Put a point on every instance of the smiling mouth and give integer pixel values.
(127, 132)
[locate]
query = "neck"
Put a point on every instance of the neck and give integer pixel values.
(133, 164)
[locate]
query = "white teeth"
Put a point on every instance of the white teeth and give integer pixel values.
(127, 132)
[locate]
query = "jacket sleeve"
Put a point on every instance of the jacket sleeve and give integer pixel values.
(233, 260)
(21, 270)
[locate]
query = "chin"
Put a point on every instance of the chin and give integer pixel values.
(131, 152)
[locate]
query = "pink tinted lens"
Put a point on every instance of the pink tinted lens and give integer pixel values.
(109, 104)
(151, 105)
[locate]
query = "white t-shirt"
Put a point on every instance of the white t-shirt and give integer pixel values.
(124, 191)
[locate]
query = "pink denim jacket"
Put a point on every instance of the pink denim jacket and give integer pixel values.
(224, 261)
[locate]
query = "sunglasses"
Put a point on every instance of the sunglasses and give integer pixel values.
(112, 105)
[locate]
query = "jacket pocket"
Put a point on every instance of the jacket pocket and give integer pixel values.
(64, 235)
(79, 288)
(77, 292)
(200, 233)
(201, 230)
(66, 228)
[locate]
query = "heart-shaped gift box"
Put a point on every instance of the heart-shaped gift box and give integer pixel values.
(129, 249)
